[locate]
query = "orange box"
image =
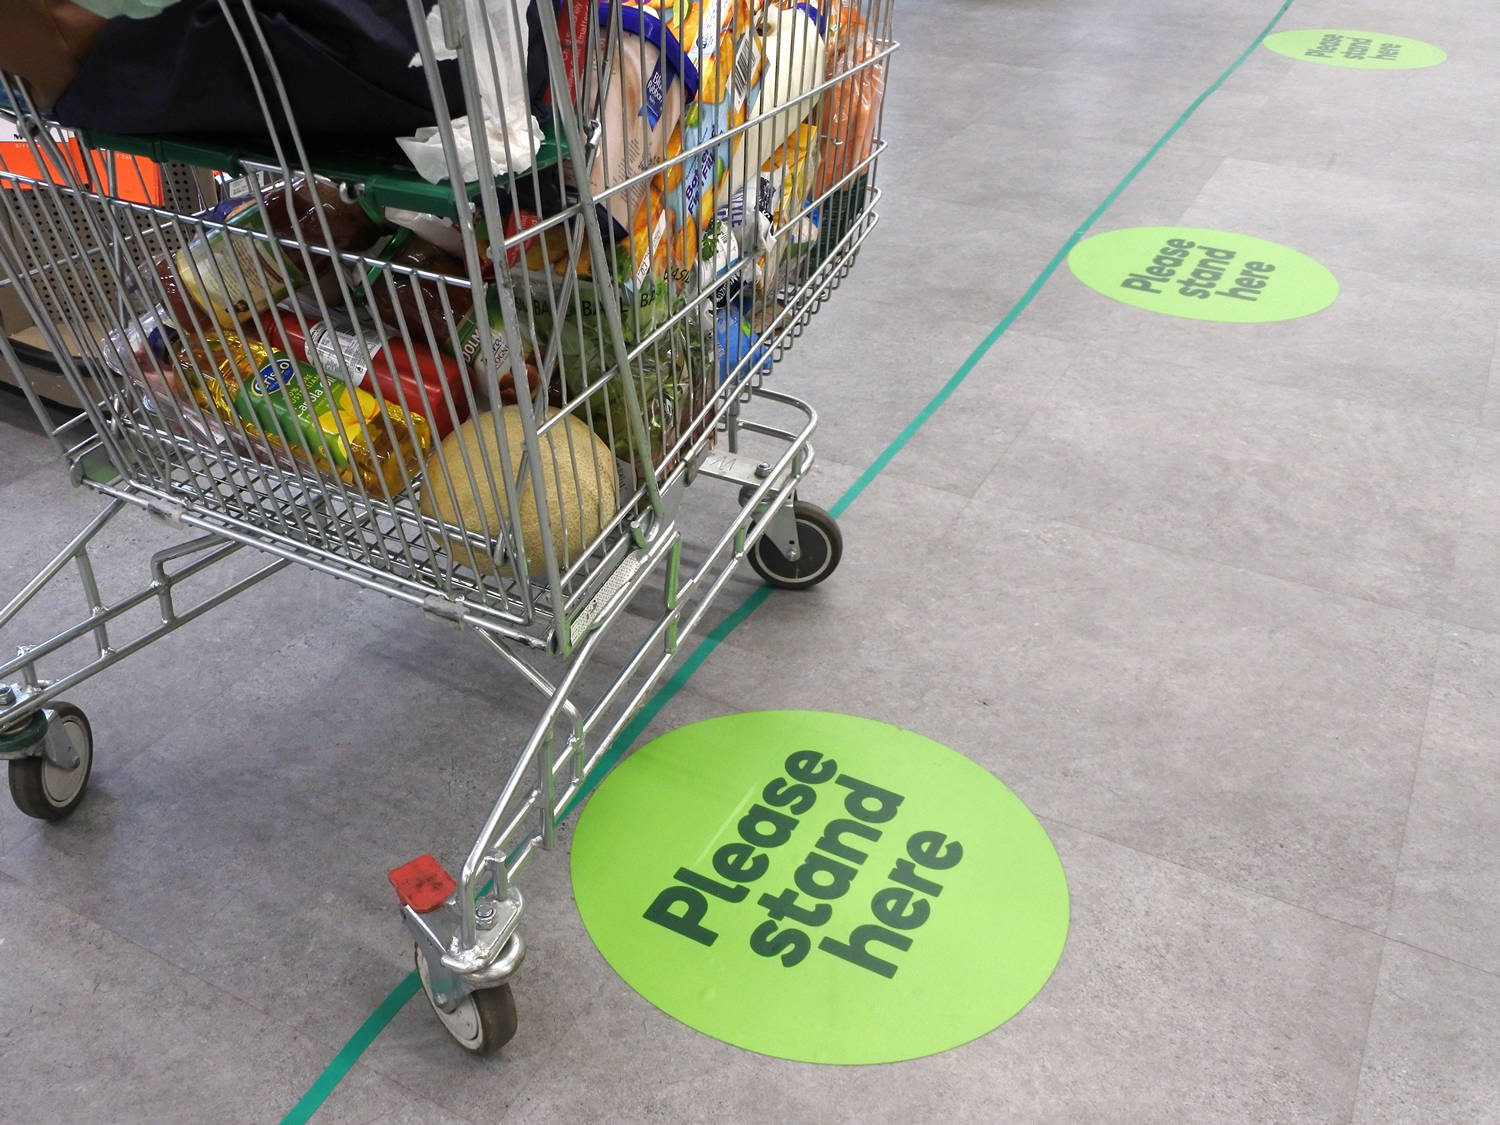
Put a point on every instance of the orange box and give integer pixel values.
(136, 179)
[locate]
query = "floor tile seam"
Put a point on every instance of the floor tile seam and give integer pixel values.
(1432, 617)
(423, 1100)
(1447, 958)
(1460, 171)
(1491, 392)
(1212, 876)
(1471, 428)
(1416, 768)
(1364, 1050)
(160, 958)
(893, 470)
(1467, 524)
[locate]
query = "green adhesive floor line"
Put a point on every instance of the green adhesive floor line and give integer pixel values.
(334, 1073)
(404, 991)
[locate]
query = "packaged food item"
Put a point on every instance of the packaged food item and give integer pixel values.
(650, 79)
(442, 233)
(234, 276)
(294, 409)
(673, 378)
(139, 354)
(412, 376)
(795, 63)
(738, 342)
(414, 305)
(410, 304)
(728, 54)
(789, 175)
(777, 61)
(574, 20)
(850, 111)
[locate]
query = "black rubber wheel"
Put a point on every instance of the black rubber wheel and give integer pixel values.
(483, 1022)
(821, 544)
(42, 790)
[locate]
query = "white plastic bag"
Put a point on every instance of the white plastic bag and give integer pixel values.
(511, 134)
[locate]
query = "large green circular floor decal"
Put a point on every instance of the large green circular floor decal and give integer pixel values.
(1203, 274)
(1365, 50)
(819, 887)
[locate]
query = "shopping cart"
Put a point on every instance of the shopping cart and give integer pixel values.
(487, 397)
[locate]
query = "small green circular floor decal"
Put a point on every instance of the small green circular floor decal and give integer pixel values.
(819, 887)
(1366, 50)
(1203, 274)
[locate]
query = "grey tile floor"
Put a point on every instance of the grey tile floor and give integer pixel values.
(1221, 603)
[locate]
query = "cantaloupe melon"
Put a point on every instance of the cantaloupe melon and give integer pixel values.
(578, 481)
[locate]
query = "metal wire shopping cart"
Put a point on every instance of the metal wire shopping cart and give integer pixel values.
(488, 396)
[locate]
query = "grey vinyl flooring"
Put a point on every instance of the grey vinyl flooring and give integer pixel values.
(1220, 603)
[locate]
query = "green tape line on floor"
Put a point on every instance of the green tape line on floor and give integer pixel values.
(346, 1058)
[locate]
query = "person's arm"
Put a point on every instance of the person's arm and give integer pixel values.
(45, 42)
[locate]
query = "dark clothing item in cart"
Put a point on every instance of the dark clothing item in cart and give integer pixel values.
(344, 64)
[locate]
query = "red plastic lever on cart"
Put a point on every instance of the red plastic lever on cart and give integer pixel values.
(422, 884)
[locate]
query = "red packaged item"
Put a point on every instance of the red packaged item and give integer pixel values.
(402, 297)
(414, 377)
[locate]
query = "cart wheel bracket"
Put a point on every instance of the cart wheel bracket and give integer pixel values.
(57, 747)
(38, 736)
(430, 908)
(26, 740)
(447, 988)
(781, 528)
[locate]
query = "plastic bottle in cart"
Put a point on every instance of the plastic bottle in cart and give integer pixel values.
(427, 382)
(233, 278)
(403, 300)
(337, 428)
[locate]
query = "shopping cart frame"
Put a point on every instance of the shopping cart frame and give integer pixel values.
(468, 944)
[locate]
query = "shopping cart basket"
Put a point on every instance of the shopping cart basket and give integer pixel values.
(486, 393)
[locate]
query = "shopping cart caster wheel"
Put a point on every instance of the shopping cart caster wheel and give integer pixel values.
(820, 542)
(43, 789)
(483, 1022)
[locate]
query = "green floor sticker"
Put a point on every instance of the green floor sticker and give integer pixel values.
(1366, 50)
(819, 887)
(1203, 274)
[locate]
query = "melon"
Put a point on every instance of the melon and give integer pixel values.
(578, 483)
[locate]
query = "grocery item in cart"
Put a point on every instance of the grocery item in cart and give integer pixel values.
(138, 352)
(727, 70)
(577, 478)
(326, 423)
(233, 275)
(671, 377)
(795, 62)
(850, 111)
(413, 305)
(407, 373)
(788, 175)
(779, 64)
(737, 341)
(641, 105)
